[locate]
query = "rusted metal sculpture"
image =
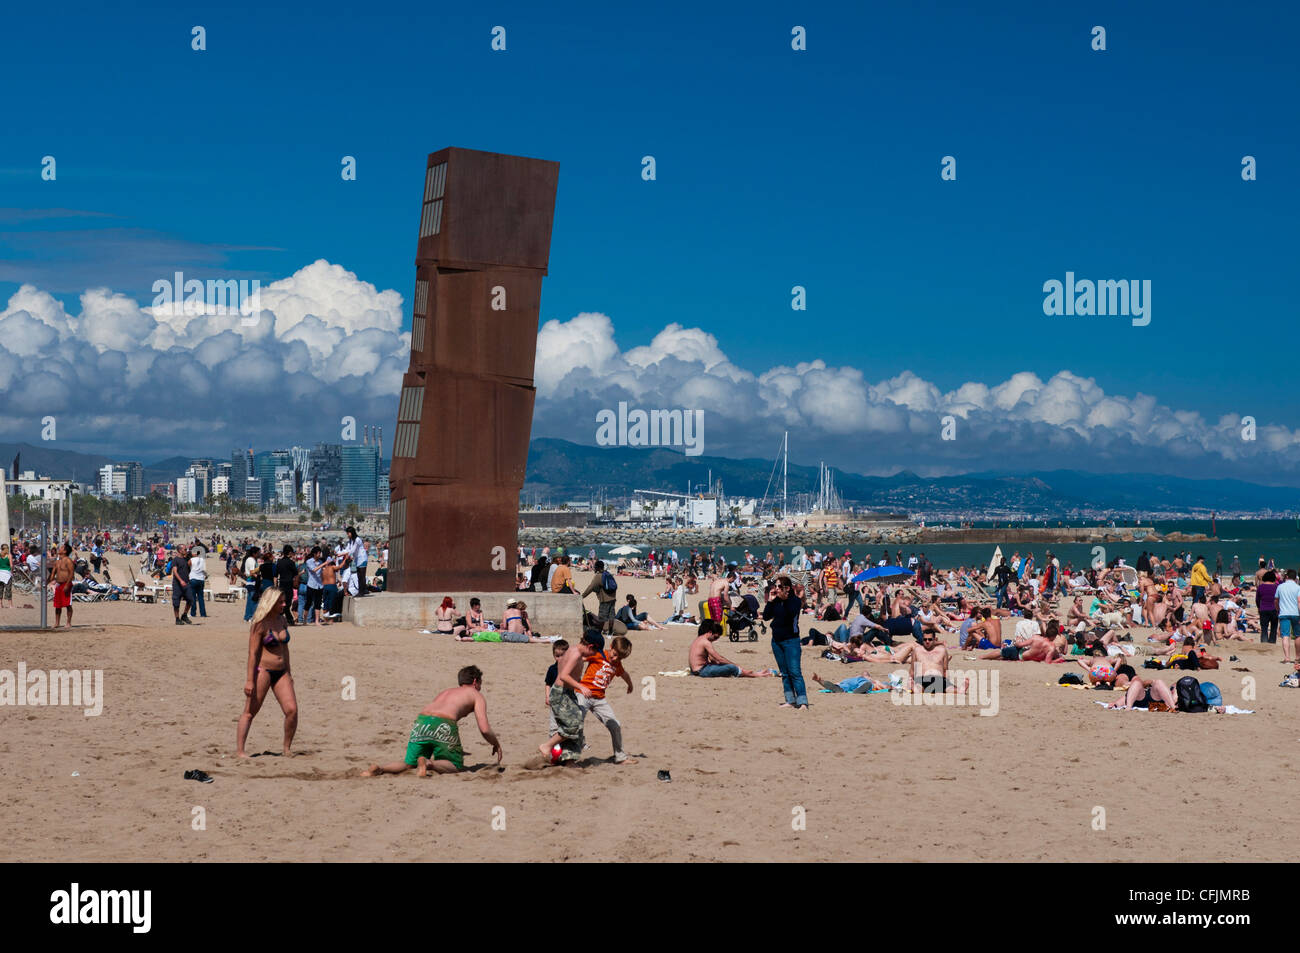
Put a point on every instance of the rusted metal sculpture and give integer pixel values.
(466, 408)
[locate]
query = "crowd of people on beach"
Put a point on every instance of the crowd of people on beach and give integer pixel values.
(1107, 621)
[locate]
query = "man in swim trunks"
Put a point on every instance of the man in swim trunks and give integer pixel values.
(929, 664)
(435, 737)
(62, 574)
(707, 662)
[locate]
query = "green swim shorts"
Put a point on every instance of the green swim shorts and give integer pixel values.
(437, 739)
(487, 635)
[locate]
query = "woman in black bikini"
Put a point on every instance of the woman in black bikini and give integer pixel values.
(268, 669)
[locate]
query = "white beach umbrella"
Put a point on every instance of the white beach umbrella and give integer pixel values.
(624, 551)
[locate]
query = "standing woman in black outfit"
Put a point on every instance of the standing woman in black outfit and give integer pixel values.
(782, 610)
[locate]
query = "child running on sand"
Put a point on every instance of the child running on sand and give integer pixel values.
(435, 736)
(601, 669)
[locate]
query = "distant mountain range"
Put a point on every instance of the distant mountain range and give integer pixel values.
(560, 470)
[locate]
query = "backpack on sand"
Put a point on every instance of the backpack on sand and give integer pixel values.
(1190, 698)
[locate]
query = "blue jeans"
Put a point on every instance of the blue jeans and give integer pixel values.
(854, 597)
(789, 661)
(302, 605)
(719, 671)
(1002, 597)
(196, 588)
(250, 602)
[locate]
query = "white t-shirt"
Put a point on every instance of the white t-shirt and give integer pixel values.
(357, 550)
(1288, 598)
(1027, 628)
(33, 562)
(198, 569)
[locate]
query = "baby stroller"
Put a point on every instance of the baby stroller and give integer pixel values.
(744, 621)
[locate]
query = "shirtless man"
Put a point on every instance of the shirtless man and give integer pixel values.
(435, 737)
(929, 664)
(1077, 619)
(1029, 645)
(704, 660)
(1202, 621)
(62, 574)
(986, 633)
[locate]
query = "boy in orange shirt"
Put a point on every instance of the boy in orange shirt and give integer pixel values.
(601, 668)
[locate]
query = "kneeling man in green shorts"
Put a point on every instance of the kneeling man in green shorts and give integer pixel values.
(435, 736)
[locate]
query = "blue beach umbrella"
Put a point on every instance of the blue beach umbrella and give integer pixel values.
(882, 572)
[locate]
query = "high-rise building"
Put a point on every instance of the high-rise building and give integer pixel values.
(112, 481)
(188, 488)
(265, 465)
(220, 486)
(286, 484)
(253, 491)
(360, 471)
(134, 471)
(325, 474)
(240, 470)
(201, 470)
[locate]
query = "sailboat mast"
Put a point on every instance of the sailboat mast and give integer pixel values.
(785, 469)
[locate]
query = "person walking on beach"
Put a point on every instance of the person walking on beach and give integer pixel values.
(782, 611)
(268, 669)
(434, 743)
(1288, 610)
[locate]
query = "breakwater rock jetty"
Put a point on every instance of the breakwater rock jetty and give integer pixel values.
(784, 536)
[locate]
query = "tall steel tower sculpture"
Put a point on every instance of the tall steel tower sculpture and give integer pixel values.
(466, 409)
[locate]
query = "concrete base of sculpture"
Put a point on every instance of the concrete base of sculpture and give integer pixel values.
(549, 613)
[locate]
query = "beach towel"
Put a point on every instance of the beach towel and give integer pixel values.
(679, 672)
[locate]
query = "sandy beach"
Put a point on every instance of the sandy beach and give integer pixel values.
(872, 780)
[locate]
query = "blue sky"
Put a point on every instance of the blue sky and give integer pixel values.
(775, 168)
